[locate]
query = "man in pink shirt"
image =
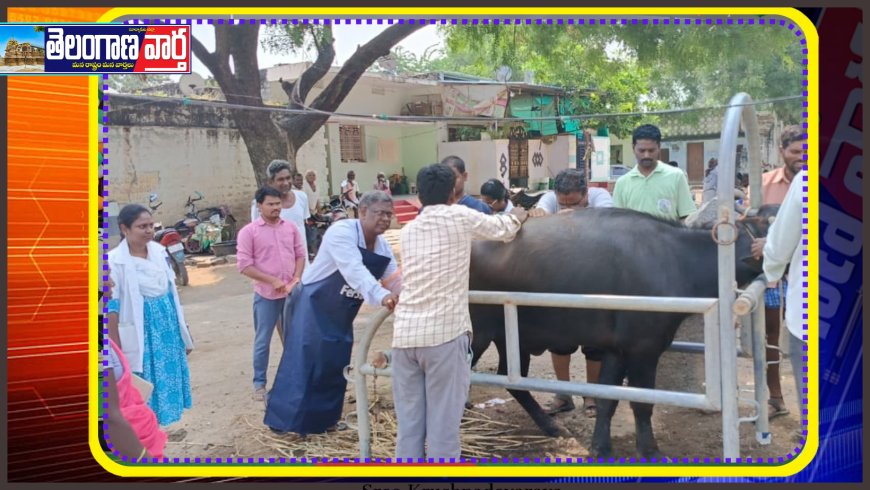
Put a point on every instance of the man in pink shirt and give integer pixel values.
(269, 251)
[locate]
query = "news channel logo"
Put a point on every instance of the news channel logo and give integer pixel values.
(94, 49)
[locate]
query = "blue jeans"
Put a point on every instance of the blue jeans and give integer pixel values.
(267, 314)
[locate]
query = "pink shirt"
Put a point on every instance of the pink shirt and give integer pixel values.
(271, 249)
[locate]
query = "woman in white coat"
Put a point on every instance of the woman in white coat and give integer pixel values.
(145, 315)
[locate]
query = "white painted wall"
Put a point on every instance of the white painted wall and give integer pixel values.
(390, 148)
(481, 160)
(558, 155)
(372, 94)
(175, 162)
(678, 152)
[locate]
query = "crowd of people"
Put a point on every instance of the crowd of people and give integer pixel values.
(313, 303)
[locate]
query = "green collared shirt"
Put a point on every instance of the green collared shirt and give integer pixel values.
(664, 193)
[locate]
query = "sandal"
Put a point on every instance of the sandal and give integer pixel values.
(259, 394)
(559, 404)
(776, 408)
(340, 426)
(590, 409)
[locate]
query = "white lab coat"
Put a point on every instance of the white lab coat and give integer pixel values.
(131, 317)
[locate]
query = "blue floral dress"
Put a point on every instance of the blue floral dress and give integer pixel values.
(164, 360)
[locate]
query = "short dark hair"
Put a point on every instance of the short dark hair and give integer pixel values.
(455, 162)
(130, 213)
(435, 184)
(494, 189)
(646, 132)
(568, 181)
(673, 164)
(264, 191)
(790, 134)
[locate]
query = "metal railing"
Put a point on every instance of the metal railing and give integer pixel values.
(710, 400)
(720, 344)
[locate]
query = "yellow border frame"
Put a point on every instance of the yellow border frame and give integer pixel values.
(415, 471)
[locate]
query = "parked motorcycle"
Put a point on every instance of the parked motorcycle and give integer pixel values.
(220, 215)
(172, 240)
(324, 218)
(201, 228)
(187, 225)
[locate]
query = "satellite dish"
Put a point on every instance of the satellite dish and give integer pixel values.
(503, 74)
(191, 84)
(388, 63)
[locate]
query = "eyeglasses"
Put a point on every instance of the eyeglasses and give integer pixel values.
(382, 214)
(574, 205)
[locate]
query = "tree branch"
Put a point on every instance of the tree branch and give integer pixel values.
(364, 57)
(210, 60)
(320, 67)
(302, 127)
(298, 90)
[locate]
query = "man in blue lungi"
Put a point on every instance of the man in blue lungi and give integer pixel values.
(308, 393)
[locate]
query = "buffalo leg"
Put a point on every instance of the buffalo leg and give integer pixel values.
(612, 373)
(525, 399)
(642, 374)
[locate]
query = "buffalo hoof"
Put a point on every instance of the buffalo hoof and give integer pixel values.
(551, 429)
(601, 453)
(554, 432)
(651, 454)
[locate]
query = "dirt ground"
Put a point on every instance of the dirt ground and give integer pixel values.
(225, 422)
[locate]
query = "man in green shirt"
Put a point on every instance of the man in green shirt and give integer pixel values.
(652, 186)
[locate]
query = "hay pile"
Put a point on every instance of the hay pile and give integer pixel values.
(481, 436)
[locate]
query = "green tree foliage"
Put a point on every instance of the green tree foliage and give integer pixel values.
(636, 68)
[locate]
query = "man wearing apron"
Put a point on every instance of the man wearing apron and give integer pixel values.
(308, 393)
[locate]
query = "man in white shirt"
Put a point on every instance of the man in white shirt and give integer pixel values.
(570, 193)
(350, 192)
(354, 264)
(785, 247)
(711, 180)
(431, 333)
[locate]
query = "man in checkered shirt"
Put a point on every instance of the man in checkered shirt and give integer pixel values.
(431, 332)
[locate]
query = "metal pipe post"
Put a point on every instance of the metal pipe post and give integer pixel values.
(712, 356)
(726, 236)
(361, 353)
(512, 342)
(759, 367)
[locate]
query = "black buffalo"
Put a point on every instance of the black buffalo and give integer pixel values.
(601, 251)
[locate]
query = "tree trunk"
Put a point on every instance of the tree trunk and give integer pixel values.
(240, 84)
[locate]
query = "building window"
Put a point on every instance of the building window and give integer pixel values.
(351, 139)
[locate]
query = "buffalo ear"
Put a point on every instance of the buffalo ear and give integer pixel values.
(757, 226)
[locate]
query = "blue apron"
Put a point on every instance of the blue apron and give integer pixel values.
(308, 394)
